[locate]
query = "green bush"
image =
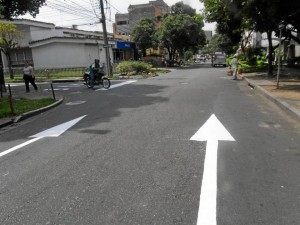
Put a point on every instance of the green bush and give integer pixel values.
(127, 67)
(188, 55)
(248, 67)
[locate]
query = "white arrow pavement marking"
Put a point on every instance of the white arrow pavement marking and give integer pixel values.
(52, 132)
(117, 85)
(212, 131)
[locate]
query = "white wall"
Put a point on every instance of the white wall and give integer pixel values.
(58, 55)
(38, 33)
(297, 51)
(34, 33)
(66, 55)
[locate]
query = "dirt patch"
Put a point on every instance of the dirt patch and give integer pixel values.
(288, 91)
(289, 85)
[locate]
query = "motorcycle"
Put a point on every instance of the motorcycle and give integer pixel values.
(99, 79)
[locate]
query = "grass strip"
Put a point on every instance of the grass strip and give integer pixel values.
(22, 105)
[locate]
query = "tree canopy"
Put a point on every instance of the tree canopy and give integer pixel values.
(9, 36)
(181, 8)
(14, 8)
(143, 33)
(233, 17)
(180, 33)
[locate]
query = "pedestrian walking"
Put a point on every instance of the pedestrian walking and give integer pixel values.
(28, 77)
(234, 66)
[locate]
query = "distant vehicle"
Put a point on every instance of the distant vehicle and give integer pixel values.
(202, 58)
(218, 59)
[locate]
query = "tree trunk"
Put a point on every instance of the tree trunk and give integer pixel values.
(11, 73)
(181, 53)
(270, 56)
(173, 54)
(2, 81)
(170, 52)
(144, 52)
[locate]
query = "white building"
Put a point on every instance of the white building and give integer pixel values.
(46, 46)
(290, 48)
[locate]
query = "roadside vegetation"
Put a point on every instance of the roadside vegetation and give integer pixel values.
(237, 20)
(249, 63)
(127, 68)
(133, 68)
(49, 74)
(14, 107)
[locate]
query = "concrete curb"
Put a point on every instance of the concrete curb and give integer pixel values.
(37, 111)
(282, 104)
(6, 123)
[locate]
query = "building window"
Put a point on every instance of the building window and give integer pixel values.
(124, 22)
(118, 55)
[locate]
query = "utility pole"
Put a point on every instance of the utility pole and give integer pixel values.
(106, 45)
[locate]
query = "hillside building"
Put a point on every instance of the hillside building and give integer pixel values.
(126, 21)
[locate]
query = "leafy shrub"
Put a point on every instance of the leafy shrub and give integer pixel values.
(127, 67)
(188, 55)
(252, 66)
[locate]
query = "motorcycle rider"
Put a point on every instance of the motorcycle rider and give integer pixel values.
(94, 68)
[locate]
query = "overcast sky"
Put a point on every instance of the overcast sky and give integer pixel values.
(86, 13)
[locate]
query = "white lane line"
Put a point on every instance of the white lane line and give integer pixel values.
(19, 146)
(117, 85)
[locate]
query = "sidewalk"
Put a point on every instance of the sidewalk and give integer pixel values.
(287, 96)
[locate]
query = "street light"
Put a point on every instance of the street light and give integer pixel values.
(281, 26)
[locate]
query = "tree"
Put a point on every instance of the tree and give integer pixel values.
(181, 8)
(2, 81)
(228, 18)
(142, 34)
(9, 36)
(14, 8)
(219, 43)
(291, 21)
(179, 33)
(235, 16)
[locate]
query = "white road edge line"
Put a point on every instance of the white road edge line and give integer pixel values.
(19, 146)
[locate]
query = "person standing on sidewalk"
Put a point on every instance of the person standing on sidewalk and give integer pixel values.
(234, 66)
(28, 77)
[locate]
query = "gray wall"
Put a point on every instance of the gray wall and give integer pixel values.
(123, 29)
(136, 14)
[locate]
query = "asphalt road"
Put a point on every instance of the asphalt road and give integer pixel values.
(129, 159)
